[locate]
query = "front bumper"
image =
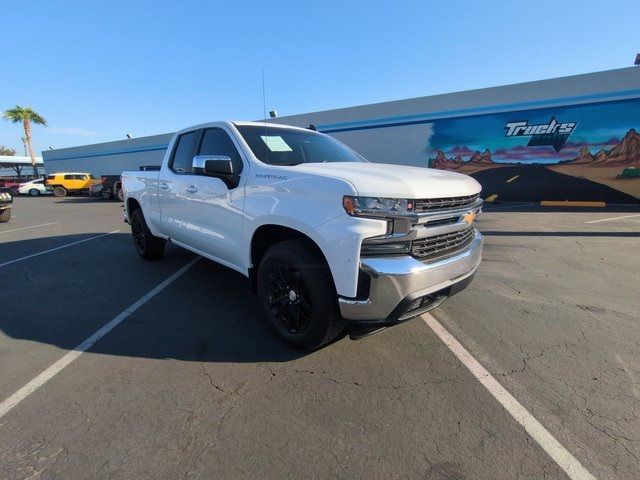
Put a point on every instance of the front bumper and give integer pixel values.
(403, 287)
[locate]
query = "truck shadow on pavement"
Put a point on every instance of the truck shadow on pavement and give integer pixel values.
(208, 314)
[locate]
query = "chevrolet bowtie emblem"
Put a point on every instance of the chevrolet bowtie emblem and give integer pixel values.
(469, 217)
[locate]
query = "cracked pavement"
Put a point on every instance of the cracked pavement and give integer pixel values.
(193, 385)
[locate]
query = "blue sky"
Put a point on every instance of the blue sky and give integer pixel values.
(98, 70)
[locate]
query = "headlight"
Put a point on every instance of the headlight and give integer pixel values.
(364, 206)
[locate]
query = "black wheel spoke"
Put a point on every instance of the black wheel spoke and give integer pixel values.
(278, 281)
(295, 317)
(287, 300)
(279, 305)
(305, 306)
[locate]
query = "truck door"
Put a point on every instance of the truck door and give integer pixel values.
(171, 184)
(213, 213)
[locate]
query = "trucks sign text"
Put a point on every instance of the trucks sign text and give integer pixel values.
(554, 133)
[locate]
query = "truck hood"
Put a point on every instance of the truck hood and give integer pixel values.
(395, 181)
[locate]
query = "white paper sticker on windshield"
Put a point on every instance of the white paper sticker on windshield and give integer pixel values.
(276, 143)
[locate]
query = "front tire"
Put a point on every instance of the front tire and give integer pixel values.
(120, 194)
(34, 192)
(298, 295)
(147, 245)
(5, 215)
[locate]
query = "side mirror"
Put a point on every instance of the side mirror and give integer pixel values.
(214, 165)
(219, 166)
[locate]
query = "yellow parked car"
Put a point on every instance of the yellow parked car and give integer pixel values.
(64, 183)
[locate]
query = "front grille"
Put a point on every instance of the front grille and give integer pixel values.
(435, 204)
(444, 244)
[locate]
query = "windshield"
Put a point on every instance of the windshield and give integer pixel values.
(286, 146)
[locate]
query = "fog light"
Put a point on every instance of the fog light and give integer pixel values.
(393, 248)
(415, 304)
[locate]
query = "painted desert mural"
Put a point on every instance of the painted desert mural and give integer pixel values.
(580, 152)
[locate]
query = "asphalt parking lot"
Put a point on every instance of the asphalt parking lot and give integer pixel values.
(191, 383)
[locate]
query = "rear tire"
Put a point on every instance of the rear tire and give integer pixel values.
(120, 194)
(34, 192)
(147, 245)
(5, 215)
(298, 295)
(59, 191)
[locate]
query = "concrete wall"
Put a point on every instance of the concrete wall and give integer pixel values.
(109, 158)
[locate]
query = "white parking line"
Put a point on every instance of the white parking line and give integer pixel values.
(27, 228)
(614, 218)
(571, 466)
(54, 249)
(57, 367)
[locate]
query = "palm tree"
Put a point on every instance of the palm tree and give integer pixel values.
(26, 115)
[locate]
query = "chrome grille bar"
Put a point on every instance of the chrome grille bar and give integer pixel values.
(431, 204)
(439, 245)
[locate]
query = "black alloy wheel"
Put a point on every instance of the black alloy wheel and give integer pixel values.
(138, 234)
(298, 294)
(289, 301)
(147, 246)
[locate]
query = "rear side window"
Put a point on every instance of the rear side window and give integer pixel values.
(69, 177)
(215, 141)
(183, 153)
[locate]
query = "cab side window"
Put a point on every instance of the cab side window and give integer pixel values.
(183, 153)
(69, 177)
(216, 141)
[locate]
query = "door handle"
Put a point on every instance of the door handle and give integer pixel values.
(163, 185)
(191, 189)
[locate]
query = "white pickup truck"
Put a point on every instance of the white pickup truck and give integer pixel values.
(328, 239)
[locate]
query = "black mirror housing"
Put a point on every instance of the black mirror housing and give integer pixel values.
(218, 166)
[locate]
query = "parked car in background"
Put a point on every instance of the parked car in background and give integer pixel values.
(34, 188)
(65, 183)
(111, 187)
(11, 185)
(6, 202)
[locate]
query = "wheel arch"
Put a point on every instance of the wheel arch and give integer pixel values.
(132, 205)
(265, 236)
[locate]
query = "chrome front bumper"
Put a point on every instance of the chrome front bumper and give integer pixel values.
(397, 283)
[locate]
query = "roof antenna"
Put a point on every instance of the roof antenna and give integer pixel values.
(264, 99)
(264, 115)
